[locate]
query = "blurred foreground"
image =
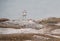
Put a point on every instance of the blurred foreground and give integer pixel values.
(30, 30)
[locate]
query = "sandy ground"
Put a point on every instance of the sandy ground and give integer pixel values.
(28, 31)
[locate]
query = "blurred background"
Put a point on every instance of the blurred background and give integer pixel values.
(35, 8)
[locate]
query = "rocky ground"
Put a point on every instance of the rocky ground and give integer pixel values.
(30, 30)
